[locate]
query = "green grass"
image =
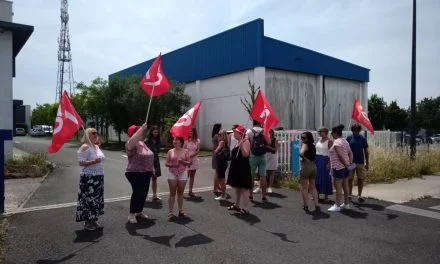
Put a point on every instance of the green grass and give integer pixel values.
(30, 165)
(389, 166)
(286, 180)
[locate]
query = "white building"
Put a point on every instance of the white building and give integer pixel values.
(13, 36)
(306, 89)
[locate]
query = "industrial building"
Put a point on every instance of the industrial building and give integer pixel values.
(13, 36)
(307, 89)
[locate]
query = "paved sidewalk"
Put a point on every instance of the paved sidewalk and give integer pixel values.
(404, 190)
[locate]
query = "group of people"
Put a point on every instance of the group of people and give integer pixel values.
(248, 153)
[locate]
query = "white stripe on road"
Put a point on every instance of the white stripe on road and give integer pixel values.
(108, 200)
(437, 207)
(414, 211)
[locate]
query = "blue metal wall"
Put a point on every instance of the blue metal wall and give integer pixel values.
(234, 50)
(284, 56)
(242, 48)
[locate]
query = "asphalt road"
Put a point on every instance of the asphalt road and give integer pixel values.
(62, 184)
(276, 232)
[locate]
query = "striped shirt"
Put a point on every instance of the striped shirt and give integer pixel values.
(335, 162)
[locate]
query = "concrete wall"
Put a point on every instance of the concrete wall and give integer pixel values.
(6, 11)
(6, 107)
(338, 98)
(221, 100)
(294, 98)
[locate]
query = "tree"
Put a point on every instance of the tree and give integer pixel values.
(428, 114)
(44, 114)
(376, 111)
(252, 93)
(396, 118)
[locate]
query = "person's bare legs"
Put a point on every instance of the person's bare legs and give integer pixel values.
(263, 187)
(271, 178)
(180, 190)
(237, 197)
(154, 186)
(345, 187)
(338, 184)
(222, 183)
(173, 187)
(314, 193)
(191, 175)
(305, 192)
(216, 187)
(245, 201)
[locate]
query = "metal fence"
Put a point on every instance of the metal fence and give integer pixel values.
(385, 140)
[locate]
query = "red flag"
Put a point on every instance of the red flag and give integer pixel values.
(67, 123)
(359, 116)
(155, 79)
(183, 126)
(263, 113)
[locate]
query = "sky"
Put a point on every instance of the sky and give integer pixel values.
(107, 36)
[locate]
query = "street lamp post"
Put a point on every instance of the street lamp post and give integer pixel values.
(413, 87)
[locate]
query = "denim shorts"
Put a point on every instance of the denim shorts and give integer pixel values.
(340, 174)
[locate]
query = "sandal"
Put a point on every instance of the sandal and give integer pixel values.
(182, 214)
(132, 220)
(234, 207)
(170, 215)
(156, 198)
(244, 212)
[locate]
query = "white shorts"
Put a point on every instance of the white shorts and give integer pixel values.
(183, 176)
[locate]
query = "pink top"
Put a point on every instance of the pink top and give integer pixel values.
(192, 146)
(140, 158)
(174, 160)
(335, 162)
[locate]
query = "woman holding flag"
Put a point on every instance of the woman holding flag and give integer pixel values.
(140, 169)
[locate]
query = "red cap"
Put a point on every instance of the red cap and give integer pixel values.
(132, 129)
(240, 129)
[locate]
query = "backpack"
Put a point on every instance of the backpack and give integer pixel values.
(258, 147)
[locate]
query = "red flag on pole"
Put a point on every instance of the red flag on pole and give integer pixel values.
(359, 116)
(183, 126)
(67, 123)
(263, 113)
(155, 79)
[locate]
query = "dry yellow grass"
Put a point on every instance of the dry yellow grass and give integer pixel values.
(388, 166)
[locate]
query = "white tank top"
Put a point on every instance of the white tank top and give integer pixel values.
(322, 148)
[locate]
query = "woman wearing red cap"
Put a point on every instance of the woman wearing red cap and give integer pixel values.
(139, 170)
(240, 176)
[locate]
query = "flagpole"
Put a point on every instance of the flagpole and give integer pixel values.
(149, 104)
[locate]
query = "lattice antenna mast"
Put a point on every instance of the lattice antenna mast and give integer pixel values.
(65, 69)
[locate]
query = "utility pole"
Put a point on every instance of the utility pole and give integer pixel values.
(413, 87)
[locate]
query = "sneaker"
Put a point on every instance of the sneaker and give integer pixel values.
(345, 206)
(256, 190)
(220, 198)
(334, 208)
(89, 226)
(132, 219)
(269, 190)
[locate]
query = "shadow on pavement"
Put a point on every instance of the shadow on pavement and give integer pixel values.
(163, 240)
(277, 195)
(141, 224)
(49, 261)
(323, 201)
(83, 236)
(153, 204)
(266, 205)
(320, 215)
(189, 241)
(181, 220)
(391, 216)
(250, 218)
(375, 207)
(283, 237)
(197, 199)
(354, 214)
(225, 203)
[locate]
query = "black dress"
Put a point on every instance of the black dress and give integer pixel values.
(239, 171)
(154, 146)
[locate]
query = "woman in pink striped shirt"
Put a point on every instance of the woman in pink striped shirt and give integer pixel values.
(341, 158)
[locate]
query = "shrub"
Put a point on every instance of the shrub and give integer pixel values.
(286, 180)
